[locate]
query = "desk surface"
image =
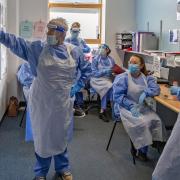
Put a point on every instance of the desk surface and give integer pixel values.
(167, 99)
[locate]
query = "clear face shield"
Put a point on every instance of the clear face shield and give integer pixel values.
(102, 50)
(55, 34)
(75, 33)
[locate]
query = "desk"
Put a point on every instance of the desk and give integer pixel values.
(174, 105)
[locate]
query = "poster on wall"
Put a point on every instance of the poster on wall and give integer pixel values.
(39, 29)
(178, 10)
(173, 36)
(26, 29)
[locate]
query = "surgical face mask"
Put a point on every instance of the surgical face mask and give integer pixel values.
(134, 68)
(51, 40)
(74, 35)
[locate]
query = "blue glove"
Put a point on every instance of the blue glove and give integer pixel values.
(76, 88)
(174, 90)
(142, 98)
(107, 72)
(135, 112)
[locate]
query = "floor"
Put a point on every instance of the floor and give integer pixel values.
(89, 159)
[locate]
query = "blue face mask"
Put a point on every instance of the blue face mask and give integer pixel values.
(134, 68)
(74, 35)
(51, 40)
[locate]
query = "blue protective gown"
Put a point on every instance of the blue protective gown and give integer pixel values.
(105, 62)
(80, 43)
(120, 87)
(30, 51)
(120, 93)
(24, 75)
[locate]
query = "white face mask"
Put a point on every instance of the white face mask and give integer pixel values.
(51, 40)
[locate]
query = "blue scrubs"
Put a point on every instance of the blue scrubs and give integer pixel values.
(78, 103)
(61, 164)
(31, 51)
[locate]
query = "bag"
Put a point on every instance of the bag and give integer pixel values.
(13, 107)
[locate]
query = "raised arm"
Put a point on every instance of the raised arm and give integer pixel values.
(29, 51)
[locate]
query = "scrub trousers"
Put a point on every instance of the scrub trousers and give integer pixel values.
(61, 164)
(106, 97)
(78, 103)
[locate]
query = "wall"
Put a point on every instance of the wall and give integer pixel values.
(120, 16)
(154, 11)
(17, 11)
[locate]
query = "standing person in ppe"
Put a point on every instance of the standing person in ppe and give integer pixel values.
(77, 41)
(130, 91)
(169, 162)
(101, 80)
(54, 65)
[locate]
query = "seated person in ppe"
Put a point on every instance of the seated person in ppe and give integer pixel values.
(130, 91)
(77, 41)
(175, 90)
(54, 65)
(101, 80)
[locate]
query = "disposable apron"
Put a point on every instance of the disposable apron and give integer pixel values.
(168, 166)
(50, 104)
(146, 128)
(102, 84)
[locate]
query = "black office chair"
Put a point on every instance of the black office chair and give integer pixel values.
(110, 138)
(23, 104)
(90, 103)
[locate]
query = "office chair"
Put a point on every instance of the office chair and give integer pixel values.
(24, 104)
(110, 138)
(90, 104)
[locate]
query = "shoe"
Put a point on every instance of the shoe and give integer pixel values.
(39, 178)
(64, 176)
(78, 112)
(142, 156)
(104, 116)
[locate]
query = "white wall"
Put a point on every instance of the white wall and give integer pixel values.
(18, 10)
(155, 10)
(120, 16)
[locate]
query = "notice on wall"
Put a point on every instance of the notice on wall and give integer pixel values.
(26, 29)
(157, 66)
(39, 29)
(178, 10)
(173, 36)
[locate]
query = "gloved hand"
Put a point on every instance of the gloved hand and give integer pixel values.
(135, 112)
(107, 71)
(76, 88)
(174, 90)
(142, 98)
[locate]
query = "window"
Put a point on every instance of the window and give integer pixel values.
(87, 12)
